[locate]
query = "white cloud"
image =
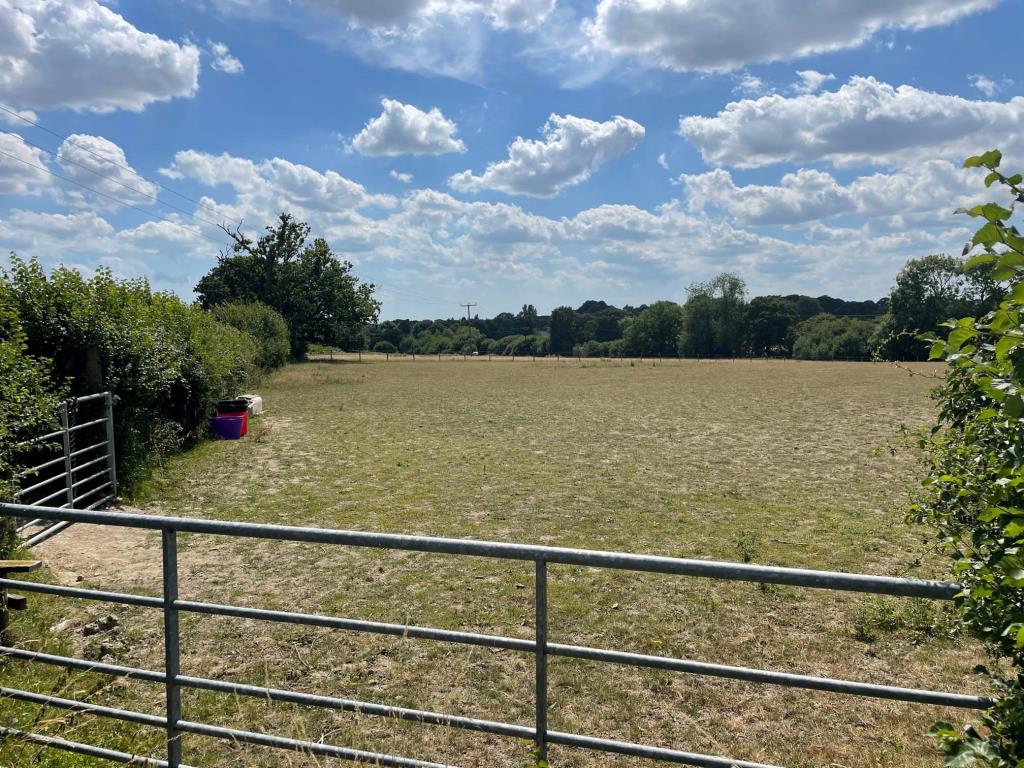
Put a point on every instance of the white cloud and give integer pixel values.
(750, 85)
(931, 190)
(82, 55)
(519, 14)
(722, 35)
(441, 37)
(984, 84)
(503, 14)
(19, 118)
(811, 81)
(663, 161)
(405, 178)
(402, 129)
(22, 227)
(572, 148)
(865, 122)
(264, 189)
(100, 164)
(223, 61)
(22, 168)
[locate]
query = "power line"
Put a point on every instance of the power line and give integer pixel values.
(467, 306)
(64, 158)
(128, 168)
(44, 169)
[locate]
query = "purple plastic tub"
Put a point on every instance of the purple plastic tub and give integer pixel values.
(227, 427)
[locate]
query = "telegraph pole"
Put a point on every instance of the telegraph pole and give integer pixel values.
(467, 306)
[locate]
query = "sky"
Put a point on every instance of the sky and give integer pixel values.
(502, 152)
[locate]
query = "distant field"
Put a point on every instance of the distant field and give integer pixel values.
(785, 463)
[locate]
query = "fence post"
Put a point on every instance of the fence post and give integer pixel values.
(172, 658)
(108, 407)
(541, 653)
(68, 480)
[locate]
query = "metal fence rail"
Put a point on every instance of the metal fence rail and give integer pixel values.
(174, 723)
(79, 491)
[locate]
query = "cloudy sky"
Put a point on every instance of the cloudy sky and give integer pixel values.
(505, 151)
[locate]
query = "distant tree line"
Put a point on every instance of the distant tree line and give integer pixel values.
(717, 320)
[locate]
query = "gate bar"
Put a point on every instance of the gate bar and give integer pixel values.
(89, 750)
(798, 577)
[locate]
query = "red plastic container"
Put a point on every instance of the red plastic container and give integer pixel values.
(227, 427)
(243, 415)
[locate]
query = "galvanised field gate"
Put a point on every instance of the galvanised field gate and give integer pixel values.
(175, 722)
(81, 476)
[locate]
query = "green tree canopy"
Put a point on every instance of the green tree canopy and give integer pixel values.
(655, 331)
(826, 337)
(714, 322)
(770, 321)
(563, 330)
(928, 292)
(320, 298)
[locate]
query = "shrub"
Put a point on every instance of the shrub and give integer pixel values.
(384, 346)
(974, 501)
(827, 337)
(28, 405)
(266, 326)
(165, 362)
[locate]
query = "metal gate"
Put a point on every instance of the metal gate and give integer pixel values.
(88, 476)
(175, 723)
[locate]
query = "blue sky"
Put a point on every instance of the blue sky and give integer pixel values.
(507, 151)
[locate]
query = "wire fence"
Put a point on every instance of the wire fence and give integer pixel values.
(175, 723)
(352, 357)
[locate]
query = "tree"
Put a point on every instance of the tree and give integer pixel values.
(928, 292)
(806, 306)
(655, 331)
(715, 318)
(769, 322)
(526, 320)
(697, 334)
(563, 330)
(315, 291)
(825, 337)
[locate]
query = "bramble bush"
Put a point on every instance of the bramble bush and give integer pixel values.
(165, 362)
(974, 486)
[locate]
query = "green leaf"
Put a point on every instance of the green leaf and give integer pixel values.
(958, 336)
(987, 235)
(977, 261)
(1004, 272)
(992, 178)
(1014, 528)
(994, 212)
(990, 160)
(1006, 345)
(1013, 406)
(937, 351)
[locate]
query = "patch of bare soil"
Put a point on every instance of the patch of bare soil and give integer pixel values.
(94, 552)
(122, 558)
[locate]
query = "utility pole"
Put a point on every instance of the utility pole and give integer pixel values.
(467, 306)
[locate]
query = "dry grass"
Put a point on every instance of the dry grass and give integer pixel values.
(780, 462)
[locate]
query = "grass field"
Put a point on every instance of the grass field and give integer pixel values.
(782, 463)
